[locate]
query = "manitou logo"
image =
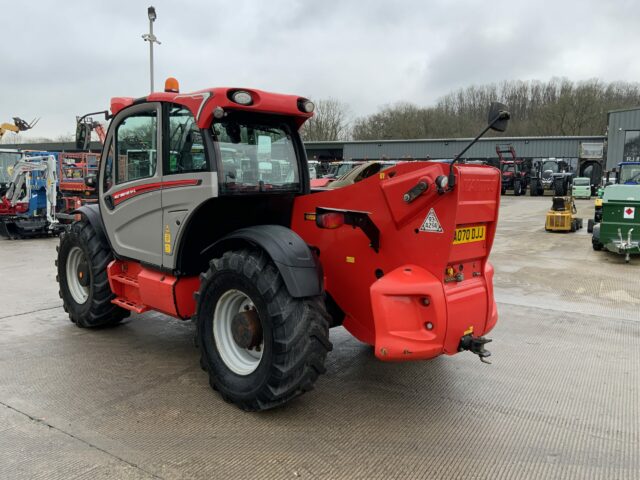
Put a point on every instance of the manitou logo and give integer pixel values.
(629, 212)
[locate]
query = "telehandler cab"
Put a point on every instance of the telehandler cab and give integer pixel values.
(205, 212)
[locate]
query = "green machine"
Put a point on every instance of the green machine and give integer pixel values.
(619, 230)
(581, 187)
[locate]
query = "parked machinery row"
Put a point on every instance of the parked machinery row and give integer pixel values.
(42, 190)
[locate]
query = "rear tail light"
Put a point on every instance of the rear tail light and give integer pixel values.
(330, 220)
(305, 105)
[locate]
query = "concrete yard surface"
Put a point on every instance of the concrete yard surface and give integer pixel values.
(560, 400)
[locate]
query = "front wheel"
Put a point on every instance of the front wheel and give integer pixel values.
(261, 346)
(82, 276)
(517, 188)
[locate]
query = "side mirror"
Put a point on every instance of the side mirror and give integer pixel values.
(91, 181)
(498, 117)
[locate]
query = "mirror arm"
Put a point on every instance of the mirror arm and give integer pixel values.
(452, 178)
(107, 115)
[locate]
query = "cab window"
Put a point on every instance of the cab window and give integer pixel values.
(137, 147)
(255, 156)
(185, 145)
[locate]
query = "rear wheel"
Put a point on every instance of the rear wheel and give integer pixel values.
(82, 276)
(260, 346)
(590, 226)
(597, 246)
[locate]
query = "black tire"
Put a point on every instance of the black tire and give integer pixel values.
(590, 225)
(295, 332)
(97, 310)
(533, 188)
(517, 188)
(597, 246)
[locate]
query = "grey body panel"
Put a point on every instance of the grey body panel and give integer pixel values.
(134, 227)
(299, 267)
(177, 206)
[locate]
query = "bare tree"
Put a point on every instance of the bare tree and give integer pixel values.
(557, 107)
(330, 122)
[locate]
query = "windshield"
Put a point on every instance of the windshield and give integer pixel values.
(256, 157)
(553, 166)
(581, 182)
(344, 169)
(630, 174)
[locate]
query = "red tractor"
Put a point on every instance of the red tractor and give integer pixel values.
(515, 175)
(205, 213)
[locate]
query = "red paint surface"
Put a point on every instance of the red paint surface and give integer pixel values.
(7, 209)
(387, 312)
(203, 102)
(145, 289)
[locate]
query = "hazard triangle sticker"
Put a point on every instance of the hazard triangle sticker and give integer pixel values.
(431, 223)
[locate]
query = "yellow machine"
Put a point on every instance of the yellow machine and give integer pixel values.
(18, 125)
(562, 216)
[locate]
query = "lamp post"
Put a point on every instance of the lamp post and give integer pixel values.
(151, 38)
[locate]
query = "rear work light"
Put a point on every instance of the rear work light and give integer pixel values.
(330, 220)
(242, 98)
(305, 105)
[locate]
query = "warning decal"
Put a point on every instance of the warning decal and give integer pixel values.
(431, 223)
(629, 212)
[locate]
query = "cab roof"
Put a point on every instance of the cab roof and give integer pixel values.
(202, 103)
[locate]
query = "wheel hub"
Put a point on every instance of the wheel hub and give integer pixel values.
(78, 275)
(237, 332)
(246, 329)
(83, 274)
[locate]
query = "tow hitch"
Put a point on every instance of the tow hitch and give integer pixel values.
(475, 345)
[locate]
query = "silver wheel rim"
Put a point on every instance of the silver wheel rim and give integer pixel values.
(239, 360)
(79, 293)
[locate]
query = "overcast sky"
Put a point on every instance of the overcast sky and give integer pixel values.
(64, 58)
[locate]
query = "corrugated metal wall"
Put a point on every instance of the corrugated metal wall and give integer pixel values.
(528, 147)
(619, 122)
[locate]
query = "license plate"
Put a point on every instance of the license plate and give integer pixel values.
(470, 234)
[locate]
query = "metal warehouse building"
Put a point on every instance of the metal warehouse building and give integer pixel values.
(621, 143)
(623, 136)
(568, 148)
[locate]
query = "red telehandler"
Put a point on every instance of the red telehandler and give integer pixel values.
(205, 213)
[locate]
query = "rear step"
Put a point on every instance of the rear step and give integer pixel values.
(120, 284)
(121, 302)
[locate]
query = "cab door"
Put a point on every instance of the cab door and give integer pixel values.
(189, 177)
(131, 186)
